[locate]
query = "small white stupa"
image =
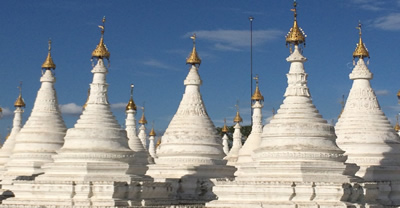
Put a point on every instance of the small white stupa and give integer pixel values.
(9, 144)
(191, 149)
(42, 135)
(225, 138)
(254, 139)
(366, 134)
(152, 150)
(142, 129)
(297, 163)
(237, 140)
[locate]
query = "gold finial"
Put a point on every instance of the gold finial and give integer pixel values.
(48, 63)
(237, 118)
(361, 51)
(257, 94)
(296, 35)
(225, 128)
(143, 120)
(158, 142)
(342, 103)
(131, 105)
(152, 132)
(398, 96)
(20, 101)
(101, 50)
(193, 56)
(397, 126)
(87, 99)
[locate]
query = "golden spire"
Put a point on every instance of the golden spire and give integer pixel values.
(361, 51)
(237, 118)
(87, 99)
(398, 96)
(152, 132)
(131, 105)
(225, 128)
(20, 101)
(397, 126)
(257, 94)
(296, 35)
(101, 50)
(143, 120)
(48, 63)
(193, 56)
(158, 142)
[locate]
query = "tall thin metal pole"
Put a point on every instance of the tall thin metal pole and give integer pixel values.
(251, 67)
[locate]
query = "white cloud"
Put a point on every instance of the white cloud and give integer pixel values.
(7, 113)
(235, 40)
(157, 64)
(382, 92)
(388, 22)
(71, 109)
(369, 5)
(118, 106)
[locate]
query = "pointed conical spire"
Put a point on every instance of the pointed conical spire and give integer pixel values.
(361, 51)
(257, 96)
(20, 101)
(143, 120)
(397, 126)
(101, 50)
(131, 104)
(237, 118)
(296, 35)
(193, 56)
(225, 128)
(48, 63)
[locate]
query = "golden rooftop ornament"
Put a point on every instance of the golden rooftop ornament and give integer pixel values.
(48, 63)
(225, 128)
(361, 51)
(193, 56)
(131, 105)
(20, 101)
(237, 118)
(296, 35)
(257, 94)
(158, 142)
(152, 132)
(101, 50)
(143, 120)
(397, 126)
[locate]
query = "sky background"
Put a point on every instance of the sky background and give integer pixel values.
(149, 42)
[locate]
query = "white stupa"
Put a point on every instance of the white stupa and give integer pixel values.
(237, 140)
(254, 139)
(9, 144)
(142, 129)
(366, 134)
(297, 163)
(152, 150)
(43, 134)
(225, 138)
(191, 149)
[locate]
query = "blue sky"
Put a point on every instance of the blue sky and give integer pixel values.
(149, 42)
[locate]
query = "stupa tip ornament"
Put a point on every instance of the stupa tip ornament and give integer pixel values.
(143, 120)
(131, 104)
(193, 56)
(296, 35)
(225, 128)
(152, 132)
(237, 118)
(48, 63)
(397, 126)
(257, 96)
(20, 101)
(101, 50)
(361, 51)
